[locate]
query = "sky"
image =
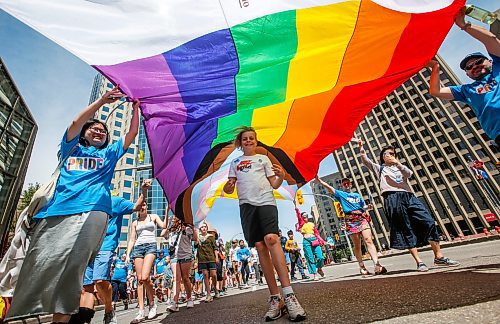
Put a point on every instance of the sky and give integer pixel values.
(56, 85)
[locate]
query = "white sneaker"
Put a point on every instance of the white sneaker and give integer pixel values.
(315, 277)
(276, 308)
(173, 307)
(139, 318)
(217, 294)
(152, 311)
(246, 286)
(295, 311)
(190, 304)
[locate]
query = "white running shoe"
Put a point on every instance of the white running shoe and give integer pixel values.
(276, 308)
(190, 303)
(152, 311)
(139, 318)
(295, 312)
(172, 307)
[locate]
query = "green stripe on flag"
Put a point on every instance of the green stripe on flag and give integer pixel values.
(265, 47)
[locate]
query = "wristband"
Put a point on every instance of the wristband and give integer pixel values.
(467, 25)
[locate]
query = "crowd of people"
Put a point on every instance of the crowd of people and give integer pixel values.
(82, 216)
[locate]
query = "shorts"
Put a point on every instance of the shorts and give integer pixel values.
(258, 221)
(168, 283)
(99, 268)
(207, 266)
(180, 261)
(140, 251)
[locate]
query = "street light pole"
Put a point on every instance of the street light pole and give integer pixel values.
(345, 233)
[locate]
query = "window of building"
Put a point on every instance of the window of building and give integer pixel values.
(466, 130)
(127, 184)
(128, 173)
(478, 197)
(105, 109)
(118, 123)
(413, 137)
(425, 133)
(466, 203)
(432, 169)
(420, 148)
(421, 173)
(448, 150)
(439, 208)
(451, 177)
(455, 161)
(103, 117)
(458, 119)
(439, 181)
(116, 133)
(130, 150)
(460, 146)
(437, 154)
(413, 114)
(419, 123)
(119, 115)
(469, 113)
(123, 236)
(129, 161)
(126, 195)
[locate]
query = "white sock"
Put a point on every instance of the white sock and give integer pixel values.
(287, 291)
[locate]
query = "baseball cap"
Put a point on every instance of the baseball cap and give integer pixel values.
(469, 56)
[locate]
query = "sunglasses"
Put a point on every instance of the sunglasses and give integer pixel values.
(389, 153)
(98, 130)
(468, 67)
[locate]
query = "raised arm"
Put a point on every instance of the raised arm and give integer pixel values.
(87, 113)
(366, 161)
(300, 220)
(326, 185)
(158, 221)
(134, 126)
(435, 88)
(489, 40)
(146, 183)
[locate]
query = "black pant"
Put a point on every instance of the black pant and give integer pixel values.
(119, 288)
(245, 271)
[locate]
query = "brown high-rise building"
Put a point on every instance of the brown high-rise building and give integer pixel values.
(437, 139)
(17, 135)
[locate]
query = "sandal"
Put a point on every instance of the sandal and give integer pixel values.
(363, 270)
(380, 269)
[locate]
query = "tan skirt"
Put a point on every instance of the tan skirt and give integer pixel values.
(51, 277)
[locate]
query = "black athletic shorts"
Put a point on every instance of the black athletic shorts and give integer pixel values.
(258, 221)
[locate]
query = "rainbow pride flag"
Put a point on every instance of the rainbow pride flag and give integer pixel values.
(303, 73)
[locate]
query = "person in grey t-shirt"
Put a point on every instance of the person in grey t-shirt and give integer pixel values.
(412, 225)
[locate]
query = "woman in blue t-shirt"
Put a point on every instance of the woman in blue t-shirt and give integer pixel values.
(356, 223)
(69, 230)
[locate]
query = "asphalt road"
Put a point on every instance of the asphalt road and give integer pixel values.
(469, 293)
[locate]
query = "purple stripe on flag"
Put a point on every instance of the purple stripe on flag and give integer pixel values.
(164, 113)
(205, 70)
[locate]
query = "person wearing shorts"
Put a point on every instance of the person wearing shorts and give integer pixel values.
(257, 176)
(180, 238)
(207, 260)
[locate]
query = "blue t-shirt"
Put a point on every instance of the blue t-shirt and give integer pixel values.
(243, 254)
(484, 98)
(119, 207)
(84, 182)
(350, 201)
(160, 265)
(121, 270)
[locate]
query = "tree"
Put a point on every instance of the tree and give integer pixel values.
(27, 195)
